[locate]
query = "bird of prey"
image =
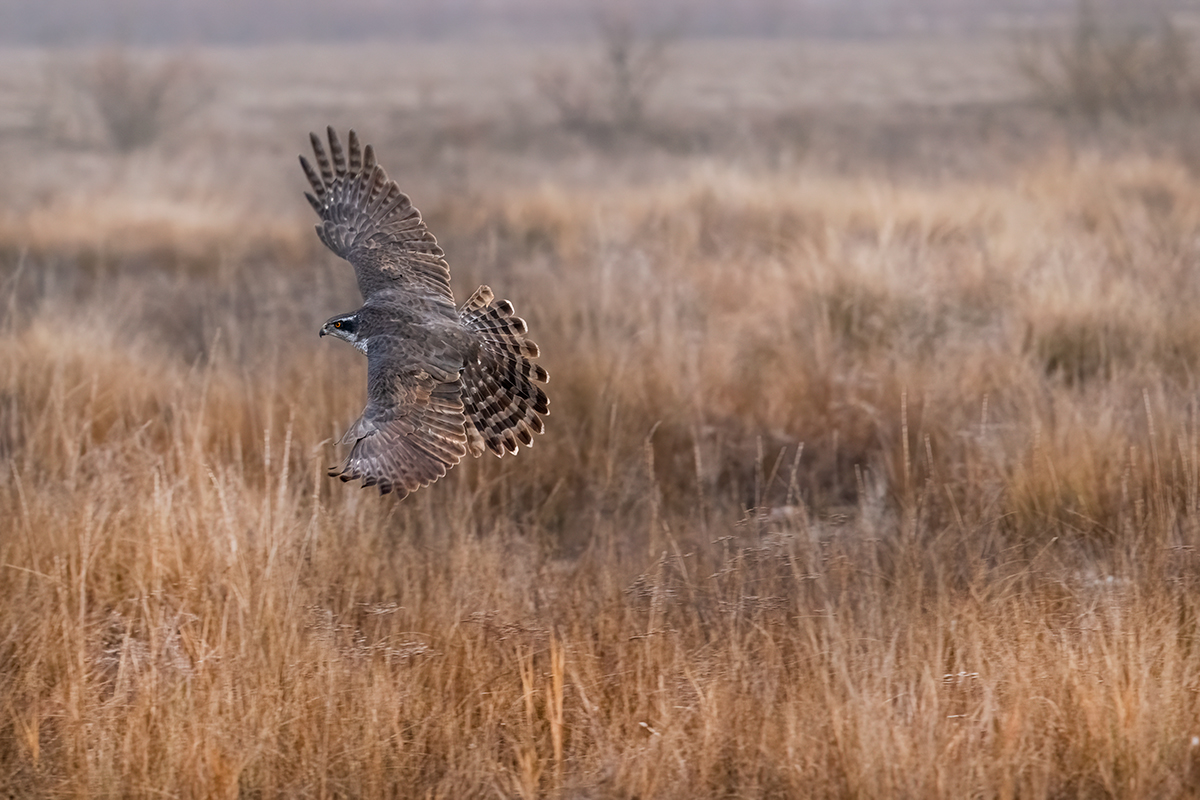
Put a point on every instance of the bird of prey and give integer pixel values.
(441, 381)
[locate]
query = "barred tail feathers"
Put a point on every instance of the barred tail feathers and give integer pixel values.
(502, 400)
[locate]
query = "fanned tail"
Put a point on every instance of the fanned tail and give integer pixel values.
(501, 397)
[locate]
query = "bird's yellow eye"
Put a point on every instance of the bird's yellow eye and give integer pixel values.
(337, 324)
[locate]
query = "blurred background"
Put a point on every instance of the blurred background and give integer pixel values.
(65, 22)
(926, 85)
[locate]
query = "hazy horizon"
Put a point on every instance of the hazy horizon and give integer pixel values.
(150, 22)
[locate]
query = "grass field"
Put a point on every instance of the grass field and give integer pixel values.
(872, 468)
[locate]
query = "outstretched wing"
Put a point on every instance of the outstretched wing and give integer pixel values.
(412, 429)
(368, 221)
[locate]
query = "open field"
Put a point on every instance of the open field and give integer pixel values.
(872, 468)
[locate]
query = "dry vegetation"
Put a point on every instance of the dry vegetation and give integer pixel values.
(856, 483)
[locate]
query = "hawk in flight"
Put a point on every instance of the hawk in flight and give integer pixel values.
(441, 381)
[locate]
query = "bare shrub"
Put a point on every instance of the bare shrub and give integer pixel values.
(634, 66)
(1105, 68)
(138, 101)
(613, 95)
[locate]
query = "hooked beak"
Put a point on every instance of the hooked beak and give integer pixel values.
(322, 332)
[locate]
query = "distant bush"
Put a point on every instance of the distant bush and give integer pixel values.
(1104, 68)
(138, 101)
(613, 96)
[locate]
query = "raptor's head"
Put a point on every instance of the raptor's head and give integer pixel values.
(345, 327)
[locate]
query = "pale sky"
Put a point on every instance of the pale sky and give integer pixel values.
(71, 22)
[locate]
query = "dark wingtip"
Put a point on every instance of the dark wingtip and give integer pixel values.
(322, 159)
(355, 152)
(314, 179)
(336, 152)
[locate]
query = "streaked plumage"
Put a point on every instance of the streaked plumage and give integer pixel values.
(441, 381)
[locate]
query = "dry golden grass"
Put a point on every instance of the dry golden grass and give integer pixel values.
(852, 487)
